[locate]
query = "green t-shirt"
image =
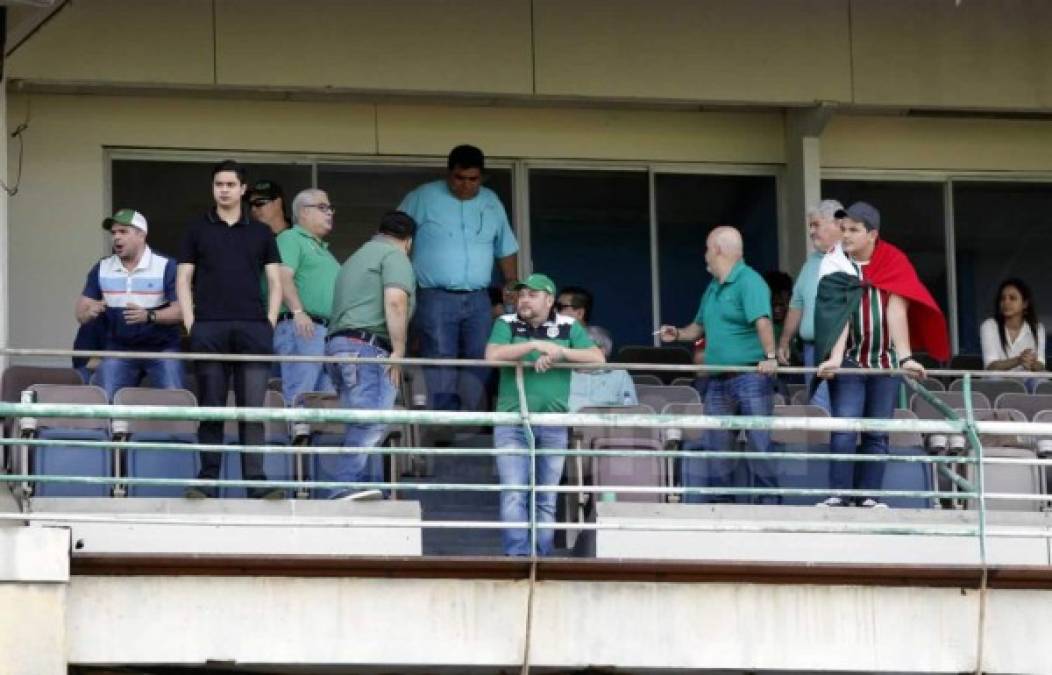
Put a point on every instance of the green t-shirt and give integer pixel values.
(314, 269)
(545, 392)
(729, 311)
(358, 298)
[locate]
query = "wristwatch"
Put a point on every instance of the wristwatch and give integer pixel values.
(771, 355)
(151, 316)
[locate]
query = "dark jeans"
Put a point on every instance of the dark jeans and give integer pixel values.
(744, 394)
(453, 325)
(250, 387)
(858, 396)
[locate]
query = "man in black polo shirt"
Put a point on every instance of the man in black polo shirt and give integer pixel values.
(224, 253)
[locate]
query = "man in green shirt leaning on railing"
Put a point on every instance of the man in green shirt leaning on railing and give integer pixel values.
(536, 335)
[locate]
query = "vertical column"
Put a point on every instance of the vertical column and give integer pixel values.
(803, 180)
(5, 304)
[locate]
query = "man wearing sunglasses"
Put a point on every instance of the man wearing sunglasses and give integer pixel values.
(266, 203)
(462, 228)
(308, 276)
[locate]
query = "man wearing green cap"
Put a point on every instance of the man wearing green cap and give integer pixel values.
(133, 293)
(535, 334)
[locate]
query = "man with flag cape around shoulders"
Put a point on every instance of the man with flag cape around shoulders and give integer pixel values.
(871, 309)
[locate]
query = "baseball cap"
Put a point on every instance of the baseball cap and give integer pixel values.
(126, 217)
(267, 189)
(863, 213)
(537, 282)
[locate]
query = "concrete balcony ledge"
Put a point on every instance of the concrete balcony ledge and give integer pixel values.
(233, 526)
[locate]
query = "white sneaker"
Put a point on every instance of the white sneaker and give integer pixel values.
(870, 503)
(360, 496)
(832, 501)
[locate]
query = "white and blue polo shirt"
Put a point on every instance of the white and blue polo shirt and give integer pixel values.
(151, 285)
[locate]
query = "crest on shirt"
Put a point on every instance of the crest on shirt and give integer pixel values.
(553, 331)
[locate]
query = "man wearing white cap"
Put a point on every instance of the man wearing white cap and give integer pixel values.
(135, 289)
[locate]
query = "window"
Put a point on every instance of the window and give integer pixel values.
(362, 193)
(170, 193)
(688, 207)
(1001, 231)
(592, 229)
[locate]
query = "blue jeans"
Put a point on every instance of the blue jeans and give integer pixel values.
(857, 396)
(360, 387)
(821, 397)
(297, 378)
(745, 394)
(515, 470)
(453, 325)
(114, 374)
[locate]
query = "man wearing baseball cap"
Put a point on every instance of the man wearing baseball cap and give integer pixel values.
(134, 290)
(536, 335)
(872, 311)
(266, 203)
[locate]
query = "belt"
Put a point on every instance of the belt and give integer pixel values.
(286, 316)
(363, 336)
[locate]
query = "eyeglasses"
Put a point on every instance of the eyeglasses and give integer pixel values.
(561, 307)
(256, 203)
(324, 208)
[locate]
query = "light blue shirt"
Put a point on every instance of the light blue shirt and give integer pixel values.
(601, 388)
(457, 240)
(805, 292)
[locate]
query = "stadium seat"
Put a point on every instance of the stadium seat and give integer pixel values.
(59, 460)
(798, 473)
(916, 476)
(674, 355)
(1021, 479)
(333, 434)
(1028, 404)
(584, 471)
(991, 388)
(173, 464)
(276, 466)
(657, 397)
(651, 380)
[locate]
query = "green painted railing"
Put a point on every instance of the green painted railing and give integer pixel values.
(946, 465)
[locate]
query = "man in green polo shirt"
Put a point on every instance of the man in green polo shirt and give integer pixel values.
(735, 317)
(536, 335)
(374, 297)
(308, 273)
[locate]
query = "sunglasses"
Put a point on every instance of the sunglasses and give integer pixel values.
(260, 202)
(561, 307)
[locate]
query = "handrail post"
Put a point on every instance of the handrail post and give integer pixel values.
(531, 442)
(977, 452)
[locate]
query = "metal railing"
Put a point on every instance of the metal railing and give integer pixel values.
(962, 489)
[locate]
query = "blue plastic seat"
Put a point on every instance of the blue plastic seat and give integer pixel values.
(58, 459)
(171, 464)
(278, 467)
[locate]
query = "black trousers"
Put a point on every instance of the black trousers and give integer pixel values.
(250, 387)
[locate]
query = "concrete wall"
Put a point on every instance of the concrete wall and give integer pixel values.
(576, 624)
(34, 576)
(982, 54)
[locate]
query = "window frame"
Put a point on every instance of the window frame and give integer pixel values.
(946, 178)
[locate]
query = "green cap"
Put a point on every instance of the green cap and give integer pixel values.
(126, 217)
(537, 282)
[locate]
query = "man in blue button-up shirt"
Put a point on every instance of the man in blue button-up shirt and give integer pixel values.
(461, 228)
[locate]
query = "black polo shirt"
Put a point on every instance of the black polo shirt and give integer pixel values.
(228, 263)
